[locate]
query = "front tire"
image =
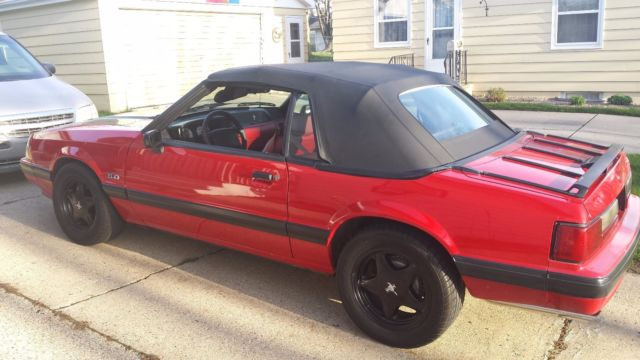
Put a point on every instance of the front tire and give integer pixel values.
(83, 210)
(398, 288)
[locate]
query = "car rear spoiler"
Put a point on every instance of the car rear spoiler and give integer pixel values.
(597, 165)
(597, 168)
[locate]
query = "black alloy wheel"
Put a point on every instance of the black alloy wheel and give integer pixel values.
(79, 205)
(83, 210)
(391, 287)
(398, 286)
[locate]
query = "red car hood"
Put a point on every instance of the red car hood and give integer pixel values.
(560, 165)
(95, 130)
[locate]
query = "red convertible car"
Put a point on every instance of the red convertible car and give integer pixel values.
(391, 178)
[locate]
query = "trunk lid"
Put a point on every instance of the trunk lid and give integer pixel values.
(575, 168)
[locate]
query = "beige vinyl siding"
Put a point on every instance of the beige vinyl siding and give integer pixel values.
(511, 48)
(353, 23)
(68, 35)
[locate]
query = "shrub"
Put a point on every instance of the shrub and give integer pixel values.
(577, 100)
(496, 95)
(620, 99)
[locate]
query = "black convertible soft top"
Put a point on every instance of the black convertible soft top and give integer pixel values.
(362, 126)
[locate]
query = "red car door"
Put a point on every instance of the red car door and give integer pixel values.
(235, 198)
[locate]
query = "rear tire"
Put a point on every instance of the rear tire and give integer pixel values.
(398, 288)
(83, 210)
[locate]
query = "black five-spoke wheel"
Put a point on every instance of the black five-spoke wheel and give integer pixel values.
(78, 204)
(398, 286)
(391, 286)
(83, 210)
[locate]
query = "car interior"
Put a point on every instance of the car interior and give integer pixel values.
(252, 119)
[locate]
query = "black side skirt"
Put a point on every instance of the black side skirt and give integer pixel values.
(278, 227)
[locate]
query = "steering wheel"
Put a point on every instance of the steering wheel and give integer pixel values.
(221, 128)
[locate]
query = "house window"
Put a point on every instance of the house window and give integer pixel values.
(577, 24)
(391, 26)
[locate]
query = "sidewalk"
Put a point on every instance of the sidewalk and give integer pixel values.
(597, 128)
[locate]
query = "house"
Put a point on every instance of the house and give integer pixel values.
(533, 49)
(127, 54)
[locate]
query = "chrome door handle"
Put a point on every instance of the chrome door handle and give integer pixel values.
(262, 176)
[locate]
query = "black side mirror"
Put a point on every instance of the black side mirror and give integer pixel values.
(50, 68)
(153, 140)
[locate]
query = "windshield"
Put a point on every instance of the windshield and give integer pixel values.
(16, 63)
(235, 97)
(444, 111)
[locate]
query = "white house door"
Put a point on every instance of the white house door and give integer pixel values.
(442, 25)
(295, 40)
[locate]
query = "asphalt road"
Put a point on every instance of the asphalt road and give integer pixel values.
(598, 128)
(150, 294)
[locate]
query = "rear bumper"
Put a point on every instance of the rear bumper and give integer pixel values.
(593, 288)
(583, 290)
(11, 151)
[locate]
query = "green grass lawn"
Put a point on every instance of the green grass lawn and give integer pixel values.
(635, 168)
(592, 109)
(635, 188)
(321, 56)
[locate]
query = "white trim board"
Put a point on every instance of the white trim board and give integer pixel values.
(24, 4)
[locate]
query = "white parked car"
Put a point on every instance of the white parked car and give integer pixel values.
(32, 98)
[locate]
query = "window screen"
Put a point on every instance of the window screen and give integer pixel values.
(392, 18)
(578, 21)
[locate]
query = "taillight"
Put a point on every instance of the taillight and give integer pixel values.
(574, 243)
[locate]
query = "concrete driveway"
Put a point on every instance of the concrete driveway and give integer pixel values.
(149, 294)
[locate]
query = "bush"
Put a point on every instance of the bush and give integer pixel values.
(496, 95)
(577, 100)
(620, 99)
(321, 56)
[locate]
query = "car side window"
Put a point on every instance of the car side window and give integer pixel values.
(302, 139)
(239, 117)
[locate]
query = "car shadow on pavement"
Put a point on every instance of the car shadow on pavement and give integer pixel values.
(11, 178)
(312, 295)
(14, 187)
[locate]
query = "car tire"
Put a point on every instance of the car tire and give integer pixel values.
(398, 287)
(83, 210)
